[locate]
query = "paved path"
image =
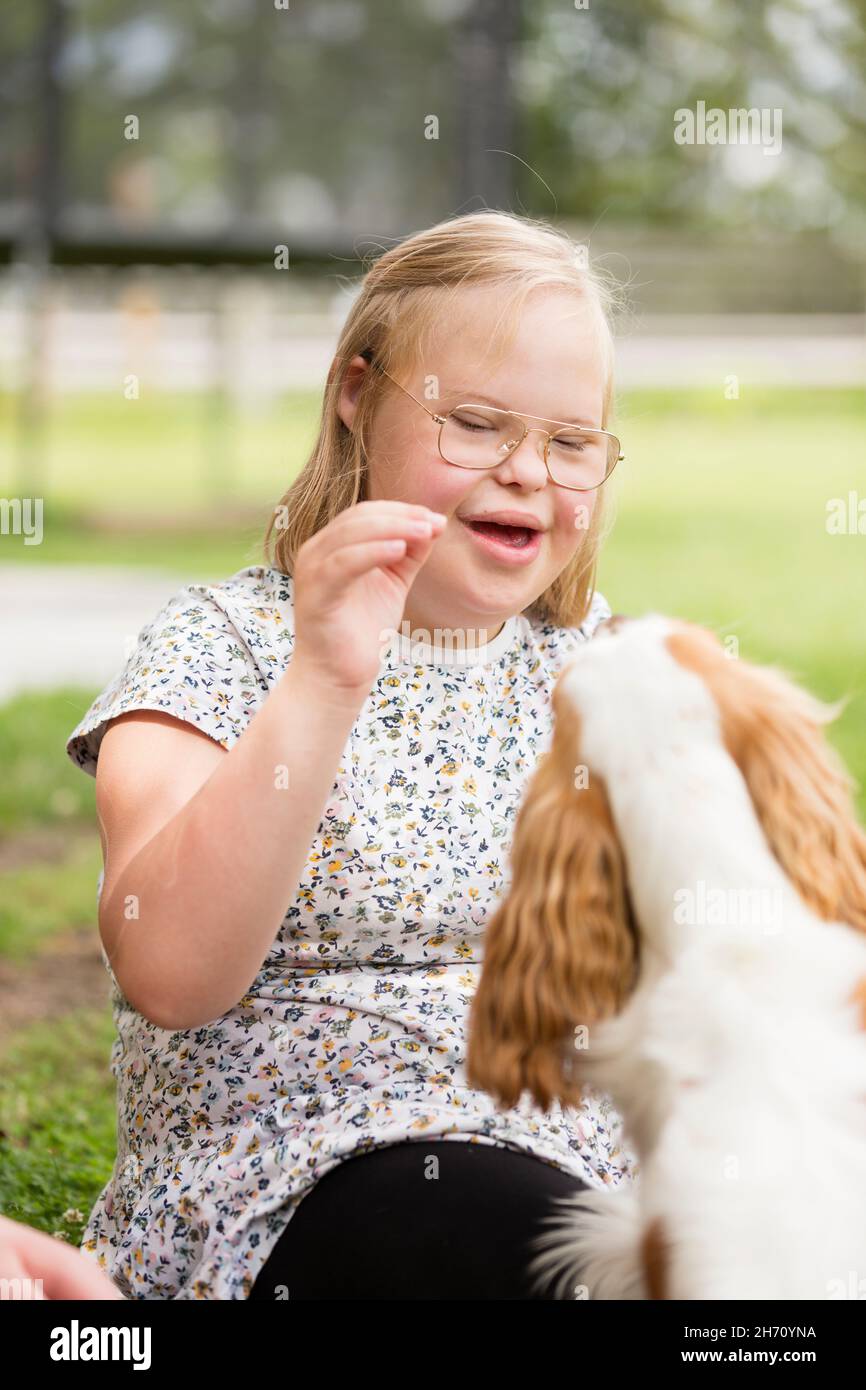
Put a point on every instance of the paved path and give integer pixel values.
(72, 625)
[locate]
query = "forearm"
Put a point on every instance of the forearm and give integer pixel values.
(191, 917)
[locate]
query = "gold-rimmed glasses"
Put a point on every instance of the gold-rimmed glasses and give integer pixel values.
(482, 436)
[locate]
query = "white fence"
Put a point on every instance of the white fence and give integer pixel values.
(253, 343)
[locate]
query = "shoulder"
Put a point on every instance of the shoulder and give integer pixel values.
(553, 645)
(258, 603)
(208, 657)
(245, 619)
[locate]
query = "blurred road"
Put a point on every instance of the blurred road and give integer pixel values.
(72, 625)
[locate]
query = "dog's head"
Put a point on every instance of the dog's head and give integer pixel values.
(563, 948)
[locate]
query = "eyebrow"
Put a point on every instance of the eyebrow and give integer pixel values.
(467, 395)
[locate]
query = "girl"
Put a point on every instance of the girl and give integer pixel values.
(307, 781)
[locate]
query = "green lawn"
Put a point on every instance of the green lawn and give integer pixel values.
(57, 1121)
(162, 455)
(40, 784)
(721, 509)
(722, 519)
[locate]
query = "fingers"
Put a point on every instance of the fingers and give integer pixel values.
(405, 529)
(64, 1272)
(374, 519)
(376, 534)
(350, 561)
(86, 1281)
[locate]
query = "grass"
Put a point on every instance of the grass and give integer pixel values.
(72, 538)
(39, 899)
(164, 454)
(722, 519)
(40, 785)
(57, 1109)
(57, 1120)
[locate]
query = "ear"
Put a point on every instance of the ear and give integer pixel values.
(561, 949)
(801, 790)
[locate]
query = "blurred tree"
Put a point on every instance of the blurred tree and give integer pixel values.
(357, 115)
(599, 87)
(485, 50)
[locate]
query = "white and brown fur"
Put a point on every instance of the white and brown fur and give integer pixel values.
(735, 1054)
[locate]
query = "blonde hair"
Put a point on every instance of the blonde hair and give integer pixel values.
(403, 296)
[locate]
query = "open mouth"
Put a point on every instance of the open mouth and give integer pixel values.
(516, 536)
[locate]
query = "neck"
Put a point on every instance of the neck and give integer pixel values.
(696, 853)
(423, 625)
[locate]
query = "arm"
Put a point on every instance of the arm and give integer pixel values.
(204, 848)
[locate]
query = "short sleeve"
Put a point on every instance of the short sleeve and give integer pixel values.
(191, 662)
(599, 611)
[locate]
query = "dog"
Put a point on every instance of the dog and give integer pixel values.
(685, 931)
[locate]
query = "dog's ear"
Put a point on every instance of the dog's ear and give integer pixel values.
(560, 950)
(802, 794)
(801, 791)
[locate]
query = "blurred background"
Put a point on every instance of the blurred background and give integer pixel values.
(188, 195)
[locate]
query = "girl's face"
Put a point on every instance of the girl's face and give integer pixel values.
(553, 370)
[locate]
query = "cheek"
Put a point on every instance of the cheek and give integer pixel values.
(574, 513)
(415, 472)
(405, 465)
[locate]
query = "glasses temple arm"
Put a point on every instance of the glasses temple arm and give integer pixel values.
(374, 363)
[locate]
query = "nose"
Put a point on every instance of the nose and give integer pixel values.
(527, 460)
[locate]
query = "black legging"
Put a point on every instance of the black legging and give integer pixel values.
(376, 1226)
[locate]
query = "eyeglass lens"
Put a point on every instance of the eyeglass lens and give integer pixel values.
(474, 437)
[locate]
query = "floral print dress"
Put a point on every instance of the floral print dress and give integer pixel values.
(353, 1034)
